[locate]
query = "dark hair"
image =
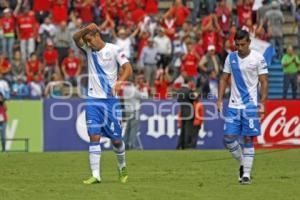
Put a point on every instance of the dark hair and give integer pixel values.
(32, 54)
(242, 34)
(92, 33)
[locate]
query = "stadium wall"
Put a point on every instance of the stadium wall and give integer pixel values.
(59, 125)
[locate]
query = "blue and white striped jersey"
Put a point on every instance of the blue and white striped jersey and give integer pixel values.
(244, 78)
(103, 69)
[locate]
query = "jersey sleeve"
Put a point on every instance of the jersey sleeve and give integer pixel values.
(262, 66)
(120, 56)
(227, 68)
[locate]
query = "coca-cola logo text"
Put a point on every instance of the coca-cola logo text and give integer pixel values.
(280, 127)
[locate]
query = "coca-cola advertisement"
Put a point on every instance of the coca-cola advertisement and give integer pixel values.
(280, 126)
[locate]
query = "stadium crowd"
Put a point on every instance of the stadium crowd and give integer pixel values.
(39, 58)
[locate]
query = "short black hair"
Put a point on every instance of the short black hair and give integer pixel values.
(242, 34)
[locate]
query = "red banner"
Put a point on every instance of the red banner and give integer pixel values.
(280, 126)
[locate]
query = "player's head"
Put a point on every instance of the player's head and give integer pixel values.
(93, 40)
(242, 41)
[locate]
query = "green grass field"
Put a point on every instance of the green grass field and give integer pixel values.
(167, 175)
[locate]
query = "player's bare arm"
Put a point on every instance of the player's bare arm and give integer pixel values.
(77, 37)
(223, 84)
(263, 79)
(125, 73)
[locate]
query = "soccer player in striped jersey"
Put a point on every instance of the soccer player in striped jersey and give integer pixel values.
(246, 68)
(103, 110)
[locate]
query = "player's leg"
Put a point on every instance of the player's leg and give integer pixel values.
(250, 129)
(94, 130)
(113, 131)
(119, 149)
(232, 129)
(94, 158)
(232, 144)
(248, 155)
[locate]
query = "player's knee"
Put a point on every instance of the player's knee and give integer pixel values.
(117, 143)
(228, 140)
(95, 138)
(248, 140)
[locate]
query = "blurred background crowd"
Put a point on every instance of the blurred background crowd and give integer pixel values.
(167, 42)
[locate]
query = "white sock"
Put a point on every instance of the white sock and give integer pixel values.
(120, 153)
(95, 154)
(235, 149)
(248, 159)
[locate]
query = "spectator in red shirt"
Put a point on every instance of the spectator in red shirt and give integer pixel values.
(86, 11)
(34, 67)
(169, 26)
(161, 84)
(151, 7)
(8, 27)
(27, 29)
(199, 47)
(130, 5)
(230, 40)
(190, 63)
(223, 13)
(50, 61)
(59, 12)
(127, 20)
(138, 15)
(210, 28)
(5, 68)
(71, 68)
(179, 12)
(114, 8)
(244, 11)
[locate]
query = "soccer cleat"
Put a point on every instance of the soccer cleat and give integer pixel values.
(246, 181)
(241, 173)
(91, 180)
(123, 175)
